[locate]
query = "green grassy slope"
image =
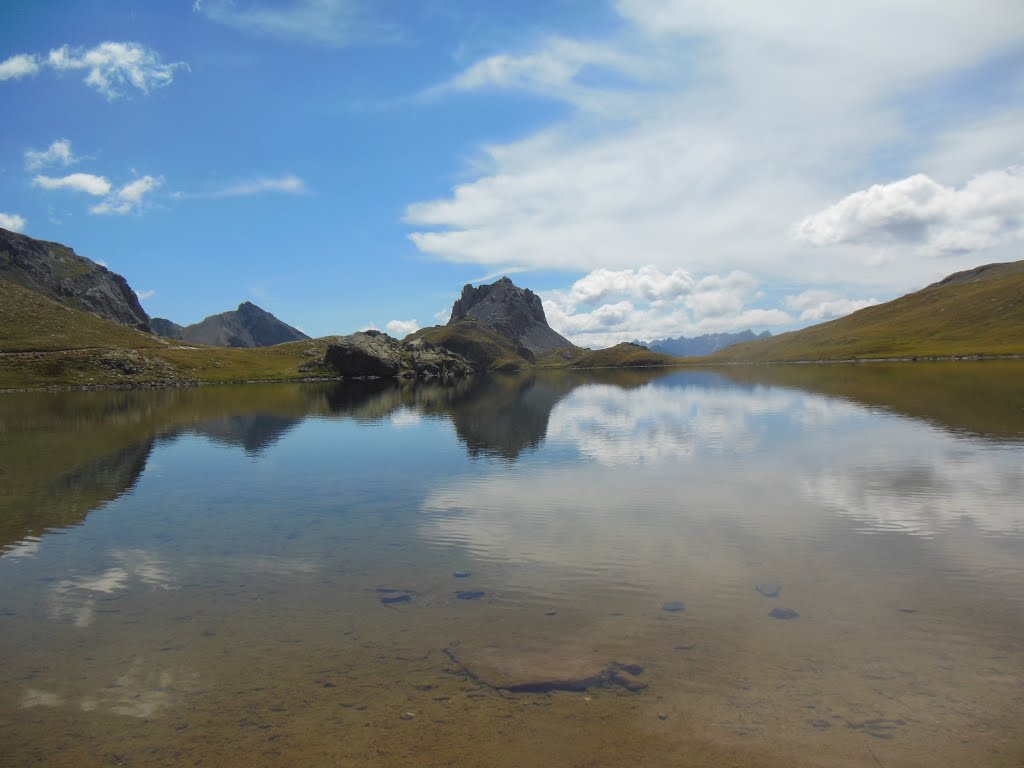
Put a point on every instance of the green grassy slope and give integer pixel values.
(44, 343)
(980, 312)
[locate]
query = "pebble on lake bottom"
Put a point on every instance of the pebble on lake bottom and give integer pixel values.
(469, 594)
(769, 588)
(783, 613)
(673, 607)
(462, 574)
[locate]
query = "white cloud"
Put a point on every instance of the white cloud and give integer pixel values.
(128, 198)
(12, 221)
(19, 66)
(113, 68)
(58, 153)
(917, 211)
(731, 129)
(289, 184)
(553, 70)
(606, 307)
(323, 22)
(81, 182)
(147, 294)
(818, 304)
(400, 328)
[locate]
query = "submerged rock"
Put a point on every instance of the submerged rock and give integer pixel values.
(462, 574)
(769, 588)
(673, 607)
(542, 669)
(784, 614)
(469, 594)
(392, 599)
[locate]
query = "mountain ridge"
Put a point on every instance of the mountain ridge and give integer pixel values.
(247, 326)
(57, 272)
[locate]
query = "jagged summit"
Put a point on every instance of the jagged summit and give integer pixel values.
(516, 313)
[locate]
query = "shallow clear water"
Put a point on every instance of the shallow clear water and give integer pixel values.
(264, 575)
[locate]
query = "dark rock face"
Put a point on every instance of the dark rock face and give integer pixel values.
(166, 328)
(247, 326)
(57, 272)
(375, 354)
(516, 313)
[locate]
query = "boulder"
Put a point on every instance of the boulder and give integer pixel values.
(372, 354)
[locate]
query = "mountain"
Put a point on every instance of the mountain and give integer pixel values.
(57, 272)
(247, 326)
(976, 312)
(166, 328)
(698, 346)
(516, 313)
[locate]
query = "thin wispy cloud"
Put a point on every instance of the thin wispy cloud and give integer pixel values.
(320, 22)
(130, 198)
(289, 184)
(112, 69)
(79, 182)
(58, 153)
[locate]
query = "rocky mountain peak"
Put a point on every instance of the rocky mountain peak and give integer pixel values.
(57, 272)
(514, 312)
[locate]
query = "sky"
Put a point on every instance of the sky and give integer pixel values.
(650, 168)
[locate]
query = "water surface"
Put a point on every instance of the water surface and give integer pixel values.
(264, 575)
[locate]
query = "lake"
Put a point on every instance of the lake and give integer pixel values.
(758, 566)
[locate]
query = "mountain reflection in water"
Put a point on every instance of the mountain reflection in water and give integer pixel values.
(799, 566)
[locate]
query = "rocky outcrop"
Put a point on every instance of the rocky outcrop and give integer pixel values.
(57, 272)
(516, 313)
(247, 326)
(166, 328)
(372, 354)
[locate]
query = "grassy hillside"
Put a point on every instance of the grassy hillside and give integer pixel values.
(44, 343)
(623, 355)
(979, 312)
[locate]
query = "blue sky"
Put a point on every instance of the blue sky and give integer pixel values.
(650, 167)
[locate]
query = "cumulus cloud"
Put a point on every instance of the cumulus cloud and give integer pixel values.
(80, 182)
(322, 22)
(609, 306)
(401, 328)
(128, 198)
(58, 153)
(147, 294)
(917, 211)
(819, 304)
(19, 66)
(12, 221)
(111, 68)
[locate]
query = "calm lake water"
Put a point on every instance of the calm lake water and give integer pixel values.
(797, 566)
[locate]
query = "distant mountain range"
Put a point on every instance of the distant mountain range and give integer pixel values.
(247, 326)
(699, 346)
(67, 321)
